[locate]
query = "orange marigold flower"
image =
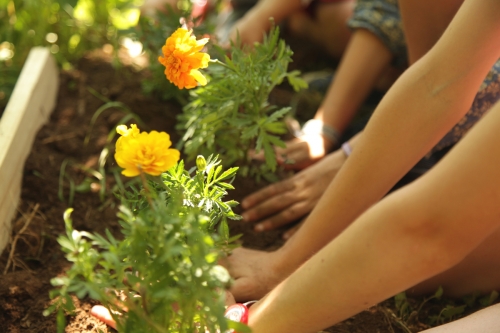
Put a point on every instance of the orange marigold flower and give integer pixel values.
(182, 59)
(138, 152)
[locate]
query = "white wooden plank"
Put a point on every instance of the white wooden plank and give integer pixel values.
(29, 107)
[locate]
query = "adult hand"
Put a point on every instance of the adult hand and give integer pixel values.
(255, 273)
(288, 200)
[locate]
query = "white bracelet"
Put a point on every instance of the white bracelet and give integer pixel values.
(316, 126)
(346, 148)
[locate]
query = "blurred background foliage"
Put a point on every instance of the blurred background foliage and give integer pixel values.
(152, 31)
(68, 27)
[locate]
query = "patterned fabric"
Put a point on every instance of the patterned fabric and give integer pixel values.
(323, 1)
(381, 17)
(311, 6)
(487, 96)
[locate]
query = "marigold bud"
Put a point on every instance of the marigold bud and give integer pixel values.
(201, 163)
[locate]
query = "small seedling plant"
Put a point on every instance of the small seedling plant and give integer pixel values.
(438, 310)
(162, 275)
(229, 111)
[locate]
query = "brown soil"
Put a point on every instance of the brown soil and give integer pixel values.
(24, 289)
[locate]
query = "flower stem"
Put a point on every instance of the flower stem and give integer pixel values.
(146, 188)
(218, 62)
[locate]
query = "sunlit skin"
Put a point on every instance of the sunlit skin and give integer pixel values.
(443, 223)
(182, 57)
(364, 61)
(453, 209)
(326, 26)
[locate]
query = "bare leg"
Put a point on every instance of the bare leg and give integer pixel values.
(478, 272)
(424, 22)
(484, 321)
(328, 28)
(150, 7)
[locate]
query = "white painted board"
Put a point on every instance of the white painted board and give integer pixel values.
(29, 107)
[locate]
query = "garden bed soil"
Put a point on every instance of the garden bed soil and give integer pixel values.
(37, 257)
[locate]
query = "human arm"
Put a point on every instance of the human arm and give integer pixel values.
(290, 199)
(365, 59)
(426, 101)
(436, 221)
(363, 63)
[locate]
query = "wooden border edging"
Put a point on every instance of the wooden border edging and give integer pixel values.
(29, 107)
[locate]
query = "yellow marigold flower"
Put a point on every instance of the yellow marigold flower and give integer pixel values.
(141, 151)
(133, 131)
(182, 59)
(124, 131)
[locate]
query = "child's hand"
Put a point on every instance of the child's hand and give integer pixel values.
(287, 201)
(299, 153)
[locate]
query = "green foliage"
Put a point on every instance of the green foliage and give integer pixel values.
(68, 27)
(8, 79)
(152, 33)
(447, 314)
(164, 270)
(483, 300)
(231, 114)
(205, 190)
(75, 26)
(438, 310)
(99, 175)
